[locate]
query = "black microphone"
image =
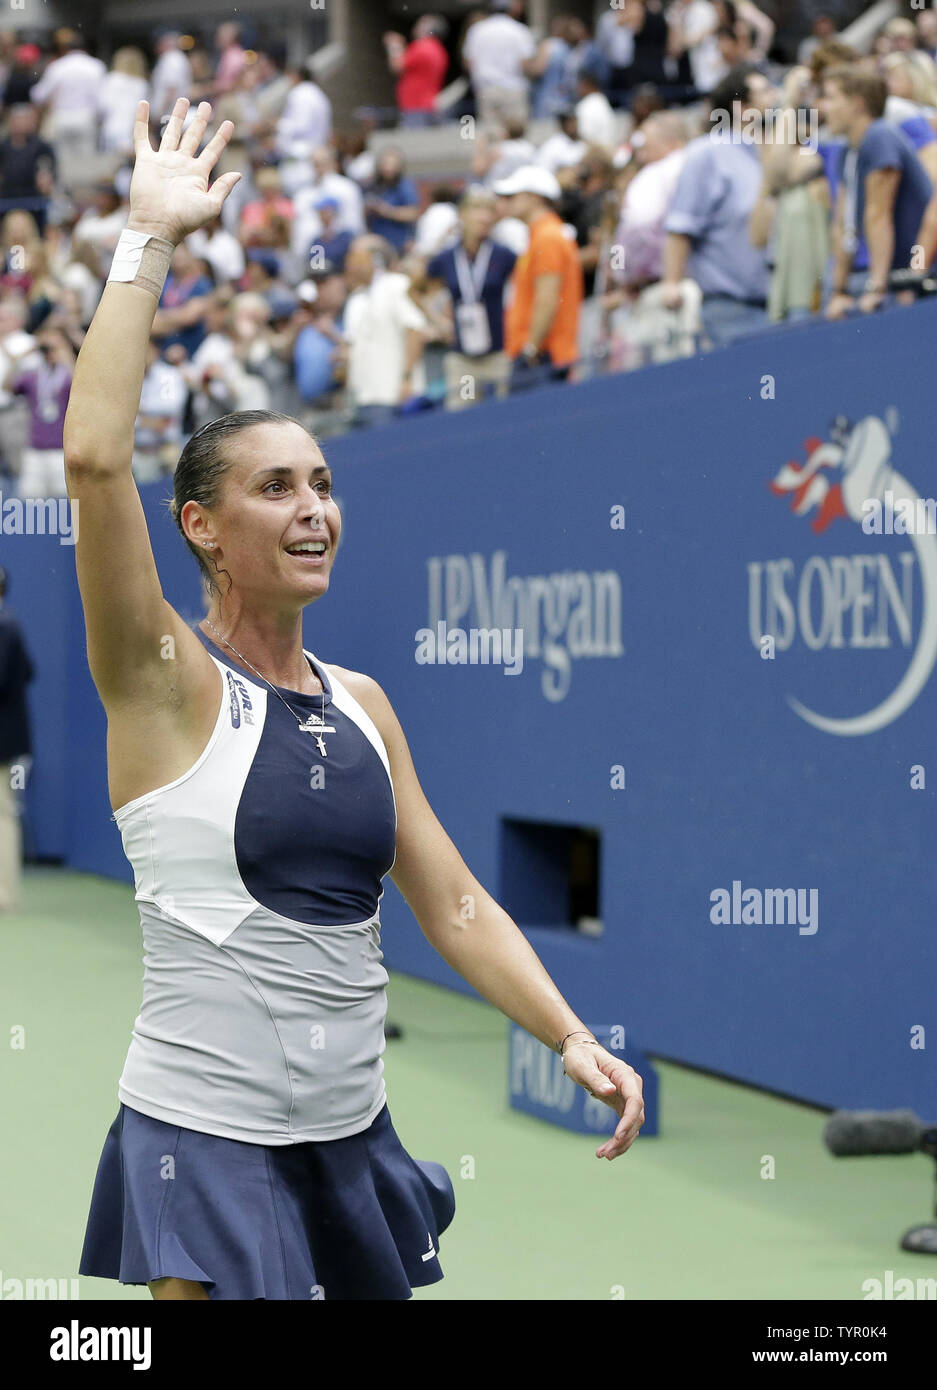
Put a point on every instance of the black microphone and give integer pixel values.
(851, 1133)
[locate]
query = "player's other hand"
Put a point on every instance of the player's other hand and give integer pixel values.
(611, 1080)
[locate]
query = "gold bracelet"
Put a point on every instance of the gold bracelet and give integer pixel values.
(559, 1045)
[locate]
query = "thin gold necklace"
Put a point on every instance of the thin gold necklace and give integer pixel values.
(312, 724)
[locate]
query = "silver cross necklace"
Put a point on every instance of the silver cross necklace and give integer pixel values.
(312, 724)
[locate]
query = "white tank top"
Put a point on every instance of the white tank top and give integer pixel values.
(258, 876)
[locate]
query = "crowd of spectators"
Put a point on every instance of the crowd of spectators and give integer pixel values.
(660, 186)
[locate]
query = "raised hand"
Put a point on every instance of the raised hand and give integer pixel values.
(169, 192)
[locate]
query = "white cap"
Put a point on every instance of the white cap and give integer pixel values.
(530, 178)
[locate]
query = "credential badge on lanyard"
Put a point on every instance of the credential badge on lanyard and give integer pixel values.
(471, 314)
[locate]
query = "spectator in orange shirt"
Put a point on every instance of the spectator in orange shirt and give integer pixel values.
(542, 323)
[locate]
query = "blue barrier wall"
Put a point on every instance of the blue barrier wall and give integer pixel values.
(742, 769)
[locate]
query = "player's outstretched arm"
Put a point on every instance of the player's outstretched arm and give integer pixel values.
(126, 616)
(474, 934)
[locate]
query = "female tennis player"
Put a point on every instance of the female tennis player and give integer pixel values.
(261, 796)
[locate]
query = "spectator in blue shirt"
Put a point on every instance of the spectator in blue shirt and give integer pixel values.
(319, 350)
(923, 139)
(707, 224)
(183, 304)
(898, 112)
(392, 204)
(475, 272)
(584, 52)
(884, 190)
(330, 247)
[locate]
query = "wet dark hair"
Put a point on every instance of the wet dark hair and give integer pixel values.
(202, 468)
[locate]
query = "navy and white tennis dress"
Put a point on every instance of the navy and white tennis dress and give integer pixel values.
(253, 1150)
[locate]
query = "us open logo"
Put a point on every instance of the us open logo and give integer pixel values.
(876, 606)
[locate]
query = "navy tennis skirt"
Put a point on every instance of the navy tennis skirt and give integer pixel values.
(340, 1218)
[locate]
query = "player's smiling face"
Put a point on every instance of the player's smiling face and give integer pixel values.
(277, 528)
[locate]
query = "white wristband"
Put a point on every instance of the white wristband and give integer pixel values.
(127, 255)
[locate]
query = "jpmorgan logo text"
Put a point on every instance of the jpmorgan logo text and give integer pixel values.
(564, 616)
